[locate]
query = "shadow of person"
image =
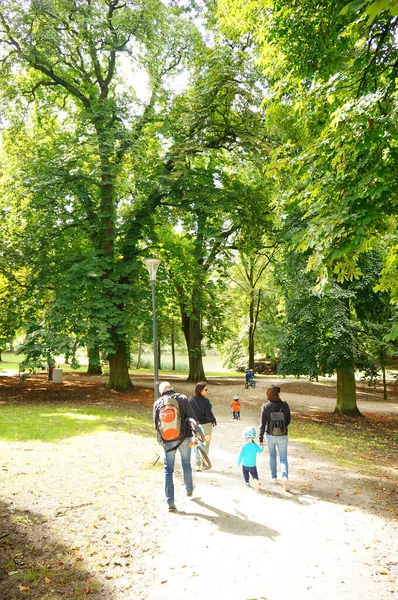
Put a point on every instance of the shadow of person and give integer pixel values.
(291, 496)
(236, 523)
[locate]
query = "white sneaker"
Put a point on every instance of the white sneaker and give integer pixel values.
(286, 484)
(256, 484)
(273, 479)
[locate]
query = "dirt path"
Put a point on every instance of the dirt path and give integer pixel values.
(95, 514)
(322, 540)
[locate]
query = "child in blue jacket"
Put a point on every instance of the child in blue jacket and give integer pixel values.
(248, 457)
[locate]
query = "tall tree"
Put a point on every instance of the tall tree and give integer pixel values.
(66, 62)
(332, 82)
(252, 301)
(216, 189)
(332, 68)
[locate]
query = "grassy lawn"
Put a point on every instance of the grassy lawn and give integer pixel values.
(51, 423)
(369, 445)
(11, 361)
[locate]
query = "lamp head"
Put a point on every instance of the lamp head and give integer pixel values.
(152, 266)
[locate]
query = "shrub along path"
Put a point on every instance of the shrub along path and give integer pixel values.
(82, 515)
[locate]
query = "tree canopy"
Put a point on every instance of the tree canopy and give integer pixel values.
(201, 132)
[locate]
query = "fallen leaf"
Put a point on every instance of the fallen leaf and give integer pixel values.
(47, 580)
(384, 572)
(24, 588)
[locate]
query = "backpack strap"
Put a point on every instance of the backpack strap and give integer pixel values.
(175, 447)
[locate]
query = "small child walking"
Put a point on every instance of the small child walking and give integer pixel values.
(248, 457)
(235, 404)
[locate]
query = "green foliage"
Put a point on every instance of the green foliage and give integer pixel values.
(252, 314)
(41, 345)
(84, 160)
(331, 104)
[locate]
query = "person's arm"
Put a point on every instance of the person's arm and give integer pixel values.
(288, 415)
(241, 455)
(259, 449)
(156, 421)
(209, 413)
(263, 423)
(186, 408)
(155, 416)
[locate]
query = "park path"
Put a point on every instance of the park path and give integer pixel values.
(321, 541)
(95, 504)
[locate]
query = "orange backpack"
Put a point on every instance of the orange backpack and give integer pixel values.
(169, 425)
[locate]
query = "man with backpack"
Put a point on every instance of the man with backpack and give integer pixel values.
(170, 414)
(274, 421)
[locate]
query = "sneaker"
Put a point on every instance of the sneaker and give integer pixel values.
(273, 479)
(189, 494)
(256, 484)
(172, 508)
(286, 484)
(247, 484)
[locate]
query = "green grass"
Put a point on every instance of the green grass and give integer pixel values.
(365, 445)
(52, 423)
(11, 362)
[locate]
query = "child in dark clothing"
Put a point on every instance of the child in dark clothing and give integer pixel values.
(248, 457)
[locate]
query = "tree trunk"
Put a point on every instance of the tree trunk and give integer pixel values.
(119, 379)
(383, 369)
(1, 359)
(195, 356)
(173, 352)
(251, 331)
(192, 328)
(346, 403)
(138, 365)
(94, 360)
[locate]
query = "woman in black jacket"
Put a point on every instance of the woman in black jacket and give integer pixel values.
(274, 421)
(204, 414)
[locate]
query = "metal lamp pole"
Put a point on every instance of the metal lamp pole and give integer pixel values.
(152, 266)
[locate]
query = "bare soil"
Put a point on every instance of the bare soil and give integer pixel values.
(86, 517)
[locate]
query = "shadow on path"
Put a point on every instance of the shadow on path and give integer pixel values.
(237, 524)
(34, 563)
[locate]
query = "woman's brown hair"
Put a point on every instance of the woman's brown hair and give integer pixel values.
(199, 387)
(273, 393)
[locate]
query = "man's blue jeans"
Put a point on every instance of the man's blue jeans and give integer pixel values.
(280, 442)
(169, 460)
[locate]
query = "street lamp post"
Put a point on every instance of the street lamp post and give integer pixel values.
(152, 266)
